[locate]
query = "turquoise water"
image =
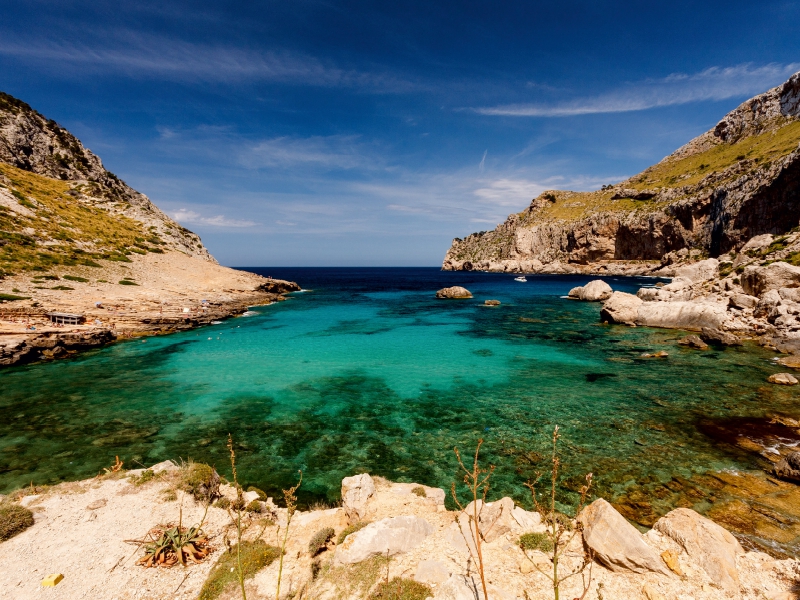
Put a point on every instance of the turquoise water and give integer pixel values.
(368, 372)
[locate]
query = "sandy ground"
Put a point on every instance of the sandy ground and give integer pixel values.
(81, 528)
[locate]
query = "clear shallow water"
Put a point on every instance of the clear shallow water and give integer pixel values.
(369, 372)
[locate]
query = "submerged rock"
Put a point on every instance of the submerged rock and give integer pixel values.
(615, 542)
(782, 379)
(693, 341)
(492, 302)
(456, 292)
(717, 336)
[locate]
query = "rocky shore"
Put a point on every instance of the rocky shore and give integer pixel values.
(381, 530)
(152, 294)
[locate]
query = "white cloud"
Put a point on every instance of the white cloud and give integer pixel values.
(138, 54)
(715, 83)
(191, 217)
(509, 192)
(332, 152)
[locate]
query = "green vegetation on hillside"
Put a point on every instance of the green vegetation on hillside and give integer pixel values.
(61, 230)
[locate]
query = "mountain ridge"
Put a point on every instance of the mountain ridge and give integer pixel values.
(738, 180)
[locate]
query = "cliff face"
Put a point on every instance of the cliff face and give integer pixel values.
(31, 143)
(739, 180)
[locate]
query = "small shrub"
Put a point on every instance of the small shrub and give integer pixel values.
(319, 541)
(74, 278)
(146, 476)
(12, 297)
(61, 287)
(201, 481)
(401, 588)
(127, 282)
(262, 495)
(535, 541)
(223, 503)
(14, 519)
(254, 555)
(351, 529)
(168, 547)
(254, 507)
(169, 495)
(419, 491)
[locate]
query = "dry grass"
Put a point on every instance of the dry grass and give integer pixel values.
(224, 576)
(14, 519)
(401, 588)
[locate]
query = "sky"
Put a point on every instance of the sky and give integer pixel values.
(324, 133)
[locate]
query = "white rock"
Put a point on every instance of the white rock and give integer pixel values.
(529, 522)
(387, 536)
(460, 587)
(621, 308)
(166, 465)
(708, 545)
(682, 315)
(356, 492)
(783, 379)
(699, 271)
(758, 280)
(616, 543)
(595, 291)
(432, 572)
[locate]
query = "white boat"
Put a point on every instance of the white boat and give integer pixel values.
(521, 279)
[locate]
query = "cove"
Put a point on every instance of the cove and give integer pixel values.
(367, 371)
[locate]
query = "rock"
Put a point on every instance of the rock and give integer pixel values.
(671, 559)
(456, 292)
(767, 303)
(616, 543)
(495, 518)
(681, 315)
(356, 491)
(789, 294)
(659, 354)
(700, 271)
(652, 593)
(621, 308)
(575, 292)
(529, 522)
(166, 465)
(758, 280)
(460, 587)
(648, 294)
(432, 571)
(710, 546)
(387, 536)
(782, 379)
(793, 361)
(757, 243)
(595, 291)
(788, 467)
(693, 341)
(97, 504)
(717, 336)
(742, 301)
(492, 302)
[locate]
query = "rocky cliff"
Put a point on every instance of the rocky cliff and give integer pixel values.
(72, 185)
(737, 181)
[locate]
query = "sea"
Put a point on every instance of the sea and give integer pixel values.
(366, 371)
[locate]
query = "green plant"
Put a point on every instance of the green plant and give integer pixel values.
(223, 503)
(127, 282)
(238, 519)
(254, 507)
(145, 476)
(291, 506)
(14, 519)
(12, 297)
(401, 588)
(168, 547)
(419, 491)
(74, 278)
(558, 528)
(250, 557)
(535, 541)
(477, 482)
(262, 495)
(199, 480)
(61, 287)
(319, 541)
(350, 529)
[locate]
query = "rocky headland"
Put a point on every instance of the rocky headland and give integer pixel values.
(381, 531)
(76, 239)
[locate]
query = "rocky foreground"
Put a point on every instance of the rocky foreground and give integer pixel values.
(81, 528)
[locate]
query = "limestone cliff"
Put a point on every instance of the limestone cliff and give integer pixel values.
(739, 180)
(73, 183)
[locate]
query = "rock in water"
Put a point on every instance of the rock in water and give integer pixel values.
(356, 491)
(789, 467)
(793, 362)
(681, 315)
(621, 308)
(456, 292)
(693, 341)
(615, 542)
(717, 336)
(596, 291)
(492, 302)
(707, 544)
(387, 536)
(782, 379)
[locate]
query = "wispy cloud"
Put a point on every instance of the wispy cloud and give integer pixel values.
(330, 152)
(146, 55)
(715, 83)
(191, 217)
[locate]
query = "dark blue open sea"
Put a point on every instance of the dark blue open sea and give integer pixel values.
(367, 371)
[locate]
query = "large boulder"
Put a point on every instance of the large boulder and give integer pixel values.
(699, 271)
(758, 280)
(356, 491)
(594, 291)
(681, 315)
(621, 308)
(710, 546)
(616, 543)
(719, 337)
(494, 518)
(387, 536)
(456, 292)
(788, 467)
(782, 379)
(742, 301)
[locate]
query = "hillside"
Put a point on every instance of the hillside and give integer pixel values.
(75, 238)
(739, 180)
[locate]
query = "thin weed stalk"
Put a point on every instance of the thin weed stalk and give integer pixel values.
(291, 506)
(238, 508)
(477, 481)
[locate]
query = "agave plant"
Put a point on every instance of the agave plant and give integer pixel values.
(168, 547)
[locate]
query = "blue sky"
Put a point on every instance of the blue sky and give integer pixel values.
(372, 133)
